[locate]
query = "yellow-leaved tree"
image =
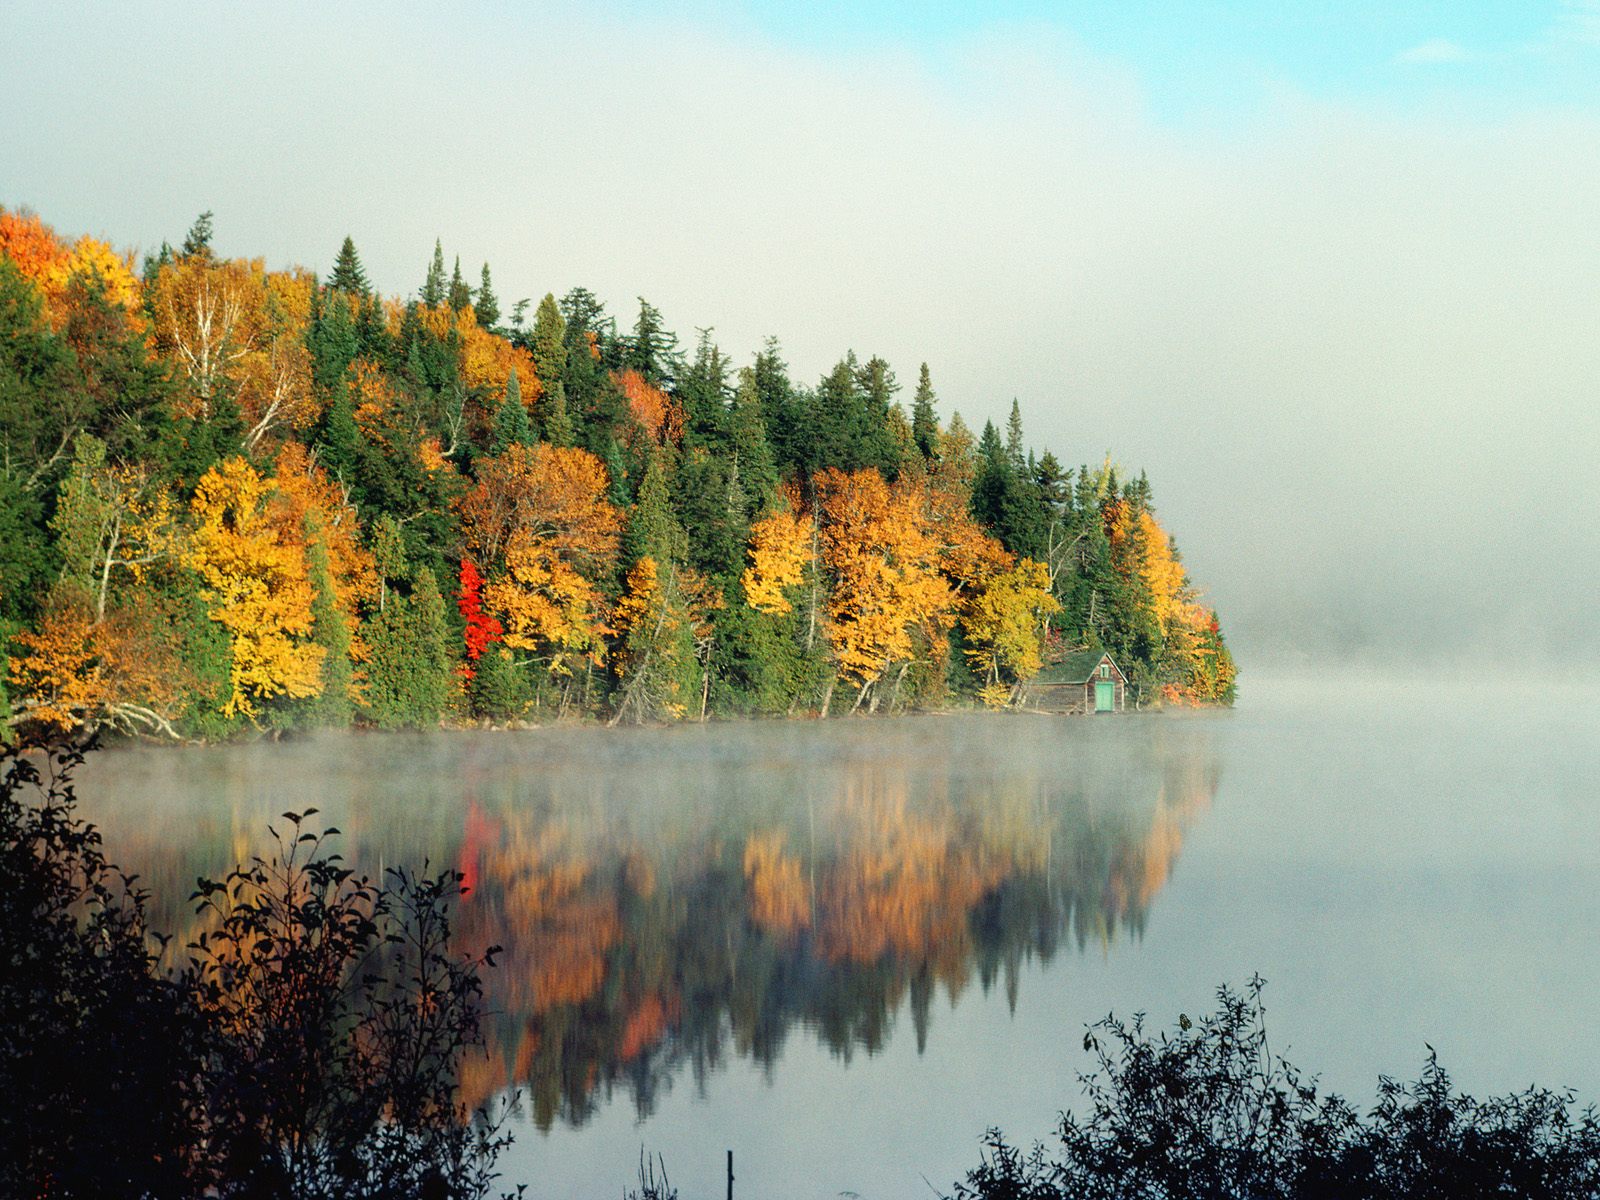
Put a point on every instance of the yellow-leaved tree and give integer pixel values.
(256, 586)
(1004, 626)
(780, 550)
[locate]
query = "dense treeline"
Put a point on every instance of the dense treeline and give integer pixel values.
(233, 497)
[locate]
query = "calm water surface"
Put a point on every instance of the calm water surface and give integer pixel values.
(843, 950)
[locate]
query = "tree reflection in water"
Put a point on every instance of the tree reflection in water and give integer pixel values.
(668, 899)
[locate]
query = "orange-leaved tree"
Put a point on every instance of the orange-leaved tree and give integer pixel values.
(884, 563)
(540, 522)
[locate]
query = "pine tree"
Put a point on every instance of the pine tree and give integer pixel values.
(924, 421)
(511, 425)
(433, 293)
(460, 294)
(348, 274)
(487, 307)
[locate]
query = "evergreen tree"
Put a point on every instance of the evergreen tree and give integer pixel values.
(511, 425)
(756, 472)
(151, 270)
(619, 493)
(878, 387)
(549, 348)
(338, 439)
(500, 688)
(487, 307)
(703, 391)
(549, 342)
(197, 242)
(329, 629)
(409, 678)
(593, 404)
(924, 421)
(348, 275)
(433, 287)
(558, 421)
(1014, 447)
(782, 415)
(334, 342)
(839, 431)
(387, 543)
(652, 350)
(460, 294)
(653, 530)
(372, 333)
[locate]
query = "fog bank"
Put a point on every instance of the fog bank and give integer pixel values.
(1354, 345)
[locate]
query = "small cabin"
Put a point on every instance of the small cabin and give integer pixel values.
(1086, 682)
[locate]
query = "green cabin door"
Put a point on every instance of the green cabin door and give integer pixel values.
(1105, 696)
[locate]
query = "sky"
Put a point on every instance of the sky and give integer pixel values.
(1329, 273)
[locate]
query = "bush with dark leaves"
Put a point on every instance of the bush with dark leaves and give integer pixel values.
(1208, 1112)
(308, 1049)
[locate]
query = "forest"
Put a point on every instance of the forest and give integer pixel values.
(236, 499)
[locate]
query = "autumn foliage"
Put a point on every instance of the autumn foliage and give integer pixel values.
(264, 473)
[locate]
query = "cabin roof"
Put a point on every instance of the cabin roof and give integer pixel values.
(1075, 668)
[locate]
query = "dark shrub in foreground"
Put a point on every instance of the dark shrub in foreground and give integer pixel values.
(309, 1048)
(1208, 1112)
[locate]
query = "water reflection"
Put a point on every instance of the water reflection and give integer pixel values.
(668, 899)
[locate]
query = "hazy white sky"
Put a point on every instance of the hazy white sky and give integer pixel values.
(1336, 286)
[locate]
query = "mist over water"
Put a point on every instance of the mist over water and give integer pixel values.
(844, 949)
(1351, 337)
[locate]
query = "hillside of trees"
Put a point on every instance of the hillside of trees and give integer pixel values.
(234, 498)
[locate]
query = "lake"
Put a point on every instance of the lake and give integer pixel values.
(843, 950)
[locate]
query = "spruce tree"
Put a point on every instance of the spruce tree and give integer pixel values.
(511, 425)
(348, 274)
(878, 387)
(500, 688)
(924, 421)
(329, 629)
(549, 344)
(408, 668)
(653, 349)
(460, 294)
(433, 293)
(334, 341)
(703, 391)
(558, 428)
(782, 414)
(486, 308)
(653, 531)
(1014, 447)
(338, 439)
(752, 453)
(197, 242)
